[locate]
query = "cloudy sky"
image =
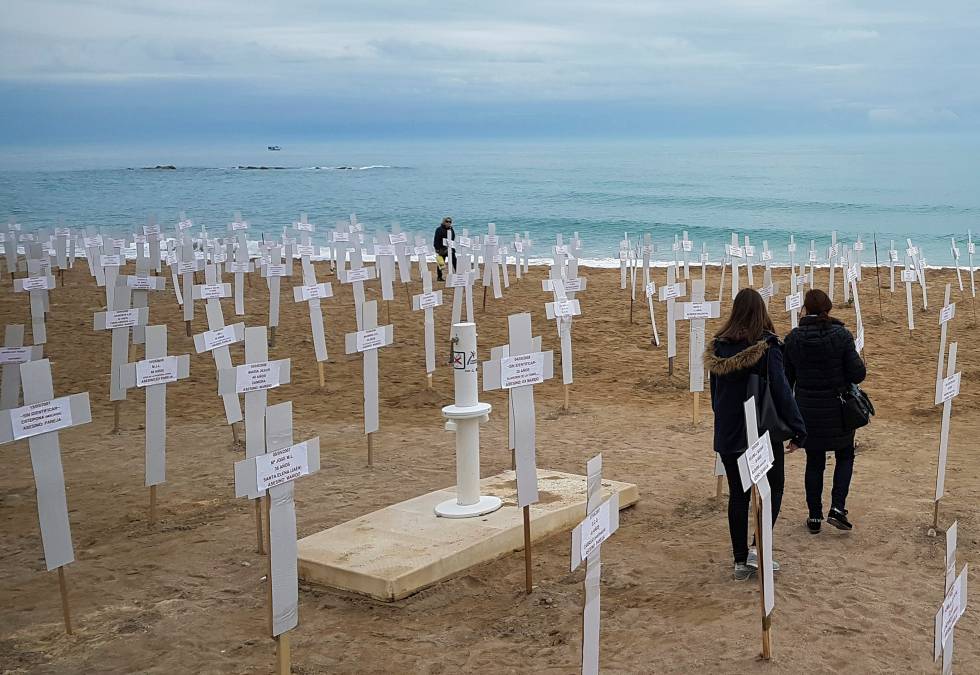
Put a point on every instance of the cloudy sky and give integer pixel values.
(92, 69)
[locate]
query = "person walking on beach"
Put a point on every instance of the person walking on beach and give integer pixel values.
(821, 361)
(744, 345)
(443, 232)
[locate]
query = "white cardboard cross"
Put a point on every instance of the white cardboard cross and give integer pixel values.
(39, 421)
(240, 267)
(491, 268)
(384, 260)
(753, 466)
(311, 293)
(427, 301)
(562, 310)
(696, 312)
(119, 320)
(216, 340)
(669, 294)
(36, 285)
(601, 521)
(954, 604)
(367, 341)
(945, 316)
(153, 374)
(950, 390)
(12, 354)
(276, 471)
(461, 281)
(273, 273)
(356, 276)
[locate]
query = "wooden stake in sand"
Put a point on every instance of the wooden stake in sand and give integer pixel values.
(753, 465)
(601, 522)
(39, 421)
(155, 373)
(518, 367)
(954, 604)
(254, 379)
(696, 312)
(274, 474)
(368, 341)
(950, 390)
(426, 302)
(12, 355)
(119, 320)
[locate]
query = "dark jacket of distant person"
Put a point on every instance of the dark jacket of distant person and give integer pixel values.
(442, 233)
(821, 361)
(730, 364)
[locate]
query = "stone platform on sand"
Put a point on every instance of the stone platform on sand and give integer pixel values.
(398, 550)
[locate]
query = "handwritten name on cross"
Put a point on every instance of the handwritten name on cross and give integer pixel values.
(601, 522)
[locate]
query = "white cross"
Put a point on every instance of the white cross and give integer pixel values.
(735, 253)
(384, 261)
(153, 374)
(669, 293)
(426, 301)
(791, 249)
(12, 354)
(950, 390)
(153, 236)
(10, 246)
(400, 240)
(650, 286)
(119, 320)
(753, 465)
(832, 253)
(141, 284)
(216, 340)
(462, 278)
(686, 247)
(954, 604)
(39, 421)
(852, 276)
(562, 310)
(519, 255)
(794, 301)
(970, 250)
(954, 251)
(311, 293)
(273, 272)
(920, 271)
(517, 367)
(188, 264)
(240, 267)
(367, 341)
(491, 270)
(36, 285)
(601, 521)
(749, 260)
(275, 471)
(909, 276)
(356, 276)
(696, 312)
(421, 251)
(624, 253)
(528, 246)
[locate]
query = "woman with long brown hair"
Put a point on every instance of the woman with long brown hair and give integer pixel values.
(821, 361)
(746, 345)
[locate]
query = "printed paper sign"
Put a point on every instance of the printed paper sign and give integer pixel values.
(859, 340)
(428, 300)
(595, 530)
(704, 258)
(311, 292)
(766, 256)
(357, 274)
(421, 250)
(219, 338)
(670, 291)
(288, 241)
(951, 386)
(256, 376)
(833, 251)
(563, 308)
(859, 246)
(35, 284)
(384, 249)
(457, 280)
(852, 273)
(947, 313)
(971, 248)
(687, 245)
(239, 225)
(41, 418)
(734, 251)
(139, 283)
(464, 242)
(92, 242)
(110, 260)
(759, 458)
(791, 247)
(491, 240)
(911, 251)
(305, 250)
(519, 246)
(341, 236)
(123, 318)
(275, 270)
(399, 238)
(767, 292)
(953, 607)
(281, 466)
(908, 275)
(623, 255)
(561, 250)
(893, 255)
(209, 291)
(303, 227)
(187, 267)
(156, 371)
(10, 355)
(750, 251)
(813, 256)
(696, 310)
(794, 301)
(370, 339)
(239, 267)
(651, 289)
(675, 247)
(522, 370)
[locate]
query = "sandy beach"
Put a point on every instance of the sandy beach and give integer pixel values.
(187, 594)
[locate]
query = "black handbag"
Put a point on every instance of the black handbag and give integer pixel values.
(856, 407)
(766, 411)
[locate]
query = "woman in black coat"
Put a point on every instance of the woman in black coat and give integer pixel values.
(747, 344)
(821, 361)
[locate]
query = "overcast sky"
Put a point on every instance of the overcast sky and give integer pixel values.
(145, 69)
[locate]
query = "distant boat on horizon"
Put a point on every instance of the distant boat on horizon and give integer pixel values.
(274, 147)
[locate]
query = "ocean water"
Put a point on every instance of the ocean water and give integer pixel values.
(923, 187)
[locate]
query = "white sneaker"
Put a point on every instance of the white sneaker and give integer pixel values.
(753, 561)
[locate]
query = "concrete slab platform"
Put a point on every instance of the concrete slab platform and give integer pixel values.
(401, 549)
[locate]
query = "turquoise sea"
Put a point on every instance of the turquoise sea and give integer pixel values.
(893, 187)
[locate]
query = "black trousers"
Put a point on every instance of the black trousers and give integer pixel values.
(816, 464)
(738, 500)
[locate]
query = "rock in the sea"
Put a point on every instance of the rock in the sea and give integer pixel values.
(161, 167)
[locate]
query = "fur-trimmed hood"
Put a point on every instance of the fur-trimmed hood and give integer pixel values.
(747, 358)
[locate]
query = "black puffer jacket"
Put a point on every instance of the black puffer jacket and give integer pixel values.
(730, 364)
(820, 362)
